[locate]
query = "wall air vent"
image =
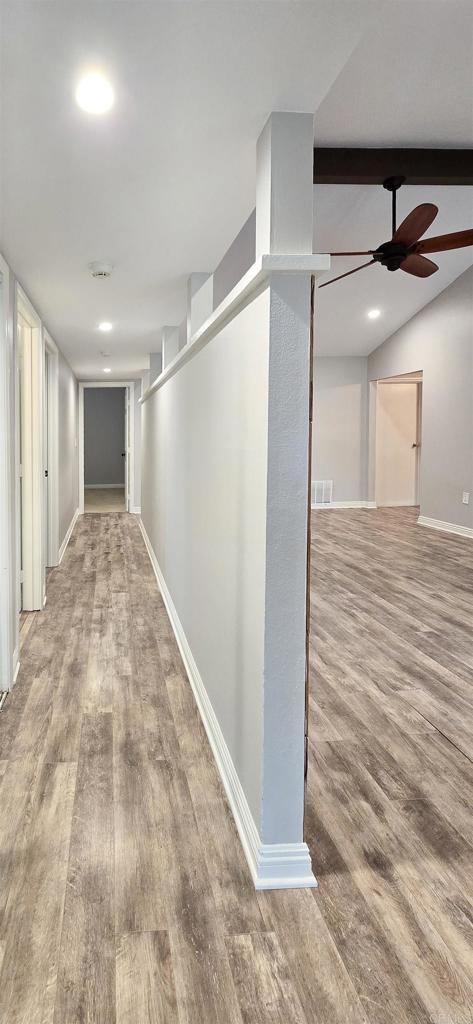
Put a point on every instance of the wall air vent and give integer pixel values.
(322, 492)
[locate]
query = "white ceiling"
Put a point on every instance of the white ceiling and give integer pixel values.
(161, 185)
(353, 217)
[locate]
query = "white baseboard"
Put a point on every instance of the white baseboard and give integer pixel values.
(16, 665)
(15, 671)
(437, 524)
(136, 510)
(344, 504)
(274, 866)
(68, 536)
(104, 487)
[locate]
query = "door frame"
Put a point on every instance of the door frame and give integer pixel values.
(30, 546)
(409, 377)
(51, 451)
(129, 386)
(9, 620)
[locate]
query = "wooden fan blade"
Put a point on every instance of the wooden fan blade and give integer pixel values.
(367, 252)
(355, 271)
(455, 240)
(416, 222)
(418, 265)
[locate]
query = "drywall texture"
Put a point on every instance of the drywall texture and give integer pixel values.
(104, 436)
(340, 427)
(204, 459)
(67, 447)
(439, 341)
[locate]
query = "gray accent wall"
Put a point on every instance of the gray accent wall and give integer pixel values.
(104, 436)
(340, 428)
(439, 341)
(67, 446)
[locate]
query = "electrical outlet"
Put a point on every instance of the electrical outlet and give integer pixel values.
(466, 497)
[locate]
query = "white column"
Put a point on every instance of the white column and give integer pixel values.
(284, 219)
(284, 185)
(286, 561)
(170, 345)
(199, 301)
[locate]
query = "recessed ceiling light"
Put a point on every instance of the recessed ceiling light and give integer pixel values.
(373, 314)
(94, 94)
(105, 326)
(107, 369)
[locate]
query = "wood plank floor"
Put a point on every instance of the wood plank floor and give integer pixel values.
(104, 499)
(124, 895)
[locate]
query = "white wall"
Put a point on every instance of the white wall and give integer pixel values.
(236, 261)
(439, 341)
(204, 444)
(340, 428)
(104, 436)
(67, 447)
(224, 507)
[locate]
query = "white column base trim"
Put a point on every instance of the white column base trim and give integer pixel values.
(437, 524)
(275, 866)
(136, 510)
(344, 504)
(68, 535)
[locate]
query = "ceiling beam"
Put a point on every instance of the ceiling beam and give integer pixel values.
(372, 166)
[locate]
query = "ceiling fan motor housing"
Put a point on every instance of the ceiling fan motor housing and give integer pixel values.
(390, 255)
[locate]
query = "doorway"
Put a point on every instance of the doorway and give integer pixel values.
(398, 440)
(106, 447)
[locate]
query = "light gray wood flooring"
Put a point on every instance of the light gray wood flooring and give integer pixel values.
(124, 894)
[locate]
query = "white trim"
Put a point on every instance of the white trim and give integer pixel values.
(8, 584)
(52, 447)
(275, 866)
(31, 509)
(437, 524)
(344, 504)
(16, 664)
(136, 510)
(129, 386)
(255, 278)
(68, 535)
(103, 487)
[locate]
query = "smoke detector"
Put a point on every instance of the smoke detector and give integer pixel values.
(100, 268)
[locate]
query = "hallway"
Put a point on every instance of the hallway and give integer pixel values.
(125, 894)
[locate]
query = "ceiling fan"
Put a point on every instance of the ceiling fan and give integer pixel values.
(405, 249)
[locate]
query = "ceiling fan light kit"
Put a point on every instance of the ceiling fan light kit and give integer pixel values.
(404, 251)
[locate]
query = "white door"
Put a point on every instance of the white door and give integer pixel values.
(397, 439)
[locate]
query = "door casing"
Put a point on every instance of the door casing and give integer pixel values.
(129, 386)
